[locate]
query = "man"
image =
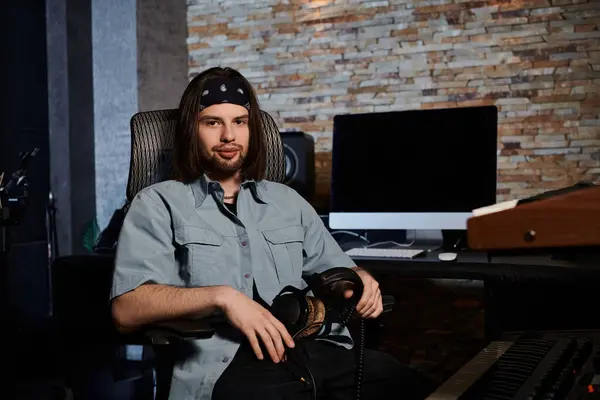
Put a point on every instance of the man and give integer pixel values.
(220, 239)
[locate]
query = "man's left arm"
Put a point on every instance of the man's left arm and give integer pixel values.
(322, 252)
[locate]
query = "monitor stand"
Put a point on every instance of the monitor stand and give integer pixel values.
(426, 239)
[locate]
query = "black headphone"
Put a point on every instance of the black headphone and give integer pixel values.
(304, 316)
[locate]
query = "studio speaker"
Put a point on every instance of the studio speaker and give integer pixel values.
(299, 157)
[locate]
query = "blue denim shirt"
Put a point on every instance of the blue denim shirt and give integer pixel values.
(182, 235)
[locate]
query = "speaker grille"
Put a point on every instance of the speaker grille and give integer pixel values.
(291, 163)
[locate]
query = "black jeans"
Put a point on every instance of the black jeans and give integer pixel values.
(333, 369)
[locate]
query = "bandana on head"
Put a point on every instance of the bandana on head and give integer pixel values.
(224, 90)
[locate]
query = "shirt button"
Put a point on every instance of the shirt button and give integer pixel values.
(225, 359)
(244, 243)
(247, 276)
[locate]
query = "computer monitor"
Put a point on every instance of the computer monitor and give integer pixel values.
(412, 170)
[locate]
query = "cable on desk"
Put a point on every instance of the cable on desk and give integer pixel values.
(351, 234)
(392, 242)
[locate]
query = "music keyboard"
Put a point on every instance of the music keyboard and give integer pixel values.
(470, 372)
(535, 366)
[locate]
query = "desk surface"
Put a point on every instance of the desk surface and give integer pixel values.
(477, 265)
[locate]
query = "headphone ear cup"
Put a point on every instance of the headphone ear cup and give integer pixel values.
(291, 310)
(332, 284)
(315, 317)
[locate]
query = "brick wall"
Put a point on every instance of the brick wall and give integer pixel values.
(537, 60)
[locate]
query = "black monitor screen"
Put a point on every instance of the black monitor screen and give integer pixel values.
(440, 160)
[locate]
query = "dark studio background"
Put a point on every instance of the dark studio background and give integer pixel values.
(47, 93)
(24, 127)
(46, 74)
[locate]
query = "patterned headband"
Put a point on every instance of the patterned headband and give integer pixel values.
(224, 90)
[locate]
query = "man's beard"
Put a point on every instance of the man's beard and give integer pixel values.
(219, 166)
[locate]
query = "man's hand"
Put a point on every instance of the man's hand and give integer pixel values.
(370, 304)
(256, 322)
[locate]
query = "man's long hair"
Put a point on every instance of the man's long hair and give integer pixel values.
(188, 159)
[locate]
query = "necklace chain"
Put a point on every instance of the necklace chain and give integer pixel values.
(232, 196)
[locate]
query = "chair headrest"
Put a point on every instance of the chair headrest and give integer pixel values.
(152, 134)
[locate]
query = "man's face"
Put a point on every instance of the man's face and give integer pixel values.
(224, 135)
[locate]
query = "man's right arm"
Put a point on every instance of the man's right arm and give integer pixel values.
(150, 303)
(146, 284)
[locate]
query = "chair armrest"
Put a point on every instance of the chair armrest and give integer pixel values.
(388, 303)
(166, 332)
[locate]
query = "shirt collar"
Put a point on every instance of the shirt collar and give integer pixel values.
(204, 186)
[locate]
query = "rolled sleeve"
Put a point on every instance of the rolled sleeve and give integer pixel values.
(321, 251)
(145, 250)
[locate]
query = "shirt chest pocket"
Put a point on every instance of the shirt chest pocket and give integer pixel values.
(285, 245)
(201, 255)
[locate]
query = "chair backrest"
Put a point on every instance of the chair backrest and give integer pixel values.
(152, 135)
(81, 287)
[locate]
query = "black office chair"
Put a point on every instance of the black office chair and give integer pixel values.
(81, 284)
